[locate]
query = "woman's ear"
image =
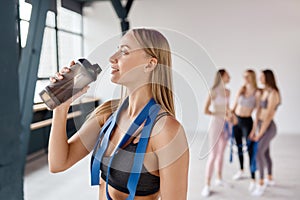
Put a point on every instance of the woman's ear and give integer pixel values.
(151, 65)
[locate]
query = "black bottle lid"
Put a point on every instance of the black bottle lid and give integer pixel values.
(95, 67)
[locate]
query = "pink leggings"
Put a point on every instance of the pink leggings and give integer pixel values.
(217, 143)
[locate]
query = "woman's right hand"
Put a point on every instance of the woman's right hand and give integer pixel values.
(59, 76)
(251, 135)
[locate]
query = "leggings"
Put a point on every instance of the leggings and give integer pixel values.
(217, 143)
(243, 129)
(263, 152)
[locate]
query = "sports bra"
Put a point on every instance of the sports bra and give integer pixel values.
(220, 99)
(264, 103)
(219, 102)
(249, 102)
(121, 167)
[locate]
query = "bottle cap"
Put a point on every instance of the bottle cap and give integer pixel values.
(95, 67)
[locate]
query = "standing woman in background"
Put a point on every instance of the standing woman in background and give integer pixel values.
(217, 135)
(266, 128)
(141, 64)
(247, 100)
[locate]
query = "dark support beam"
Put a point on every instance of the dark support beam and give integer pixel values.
(72, 5)
(128, 6)
(28, 69)
(122, 13)
(120, 10)
(11, 185)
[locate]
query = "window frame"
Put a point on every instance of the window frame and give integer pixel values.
(56, 29)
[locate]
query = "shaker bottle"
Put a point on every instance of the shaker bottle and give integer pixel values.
(81, 74)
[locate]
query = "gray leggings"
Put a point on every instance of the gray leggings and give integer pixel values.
(263, 151)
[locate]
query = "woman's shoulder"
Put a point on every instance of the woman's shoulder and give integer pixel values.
(274, 95)
(170, 122)
(105, 110)
(258, 92)
(166, 128)
(219, 92)
(273, 92)
(241, 91)
(168, 140)
(167, 118)
(213, 93)
(227, 91)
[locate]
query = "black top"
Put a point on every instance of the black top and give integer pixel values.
(121, 167)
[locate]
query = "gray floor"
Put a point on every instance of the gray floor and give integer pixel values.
(74, 183)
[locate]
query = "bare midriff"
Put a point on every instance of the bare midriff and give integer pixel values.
(264, 114)
(115, 194)
(243, 111)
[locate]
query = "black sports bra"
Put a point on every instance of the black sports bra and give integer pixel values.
(121, 167)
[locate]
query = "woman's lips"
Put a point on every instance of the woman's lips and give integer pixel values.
(114, 70)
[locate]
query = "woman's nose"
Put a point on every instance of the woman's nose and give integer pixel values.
(114, 58)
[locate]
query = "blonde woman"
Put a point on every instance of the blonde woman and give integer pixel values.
(247, 100)
(142, 65)
(218, 135)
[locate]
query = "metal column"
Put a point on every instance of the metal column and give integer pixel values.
(122, 13)
(28, 69)
(11, 187)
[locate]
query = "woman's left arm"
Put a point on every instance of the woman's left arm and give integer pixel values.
(171, 148)
(257, 112)
(273, 101)
(229, 116)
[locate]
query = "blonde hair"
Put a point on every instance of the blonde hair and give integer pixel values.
(253, 82)
(156, 46)
(218, 78)
(252, 77)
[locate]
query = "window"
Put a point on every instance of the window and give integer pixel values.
(62, 41)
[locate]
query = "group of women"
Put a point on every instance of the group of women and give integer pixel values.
(251, 136)
(140, 150)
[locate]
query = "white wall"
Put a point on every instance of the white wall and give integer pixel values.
(237, 34)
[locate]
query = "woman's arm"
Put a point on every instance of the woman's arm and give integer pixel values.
(207, 104)
(228, 113)
(257, 112)
(171, 148)
(63, 153)
(258, 95)
(236, 99)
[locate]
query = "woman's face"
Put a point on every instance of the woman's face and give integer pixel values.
(129, 62)
(247, 77)
(226, 78)
(262, 78)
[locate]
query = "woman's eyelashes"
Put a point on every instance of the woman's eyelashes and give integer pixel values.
(124, 51)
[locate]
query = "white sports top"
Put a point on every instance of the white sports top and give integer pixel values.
(219, 100)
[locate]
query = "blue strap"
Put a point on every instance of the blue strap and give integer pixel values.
(140, 154)
(254, 153)
(96, 160)
(226, 129)
(230, 134)
(97, 155)
(149, 114)
(231, 145)
(103, 130)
